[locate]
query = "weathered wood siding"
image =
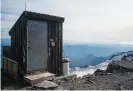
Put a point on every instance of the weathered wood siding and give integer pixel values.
(18, 35)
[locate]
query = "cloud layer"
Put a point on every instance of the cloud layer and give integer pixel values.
(107, 21)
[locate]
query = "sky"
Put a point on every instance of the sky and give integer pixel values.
(86, 21)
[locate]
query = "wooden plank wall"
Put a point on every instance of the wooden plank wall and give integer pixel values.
(55, 57)
(19, 43)
(18, 36)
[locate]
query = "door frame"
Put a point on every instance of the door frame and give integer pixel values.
(46, 42)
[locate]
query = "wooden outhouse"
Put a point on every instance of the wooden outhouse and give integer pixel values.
(36, 42)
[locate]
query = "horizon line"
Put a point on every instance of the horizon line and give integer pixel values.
(72, 42)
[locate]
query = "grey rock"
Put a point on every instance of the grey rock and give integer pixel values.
(46, 85)
(120, 66)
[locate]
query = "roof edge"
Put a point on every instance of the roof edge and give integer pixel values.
(43, 16)
(36, 15)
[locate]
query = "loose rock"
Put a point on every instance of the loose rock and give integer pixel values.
(46, 85)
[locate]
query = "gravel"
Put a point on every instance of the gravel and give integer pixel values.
(98, 81)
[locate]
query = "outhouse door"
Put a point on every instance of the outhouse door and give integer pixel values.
(37, 51)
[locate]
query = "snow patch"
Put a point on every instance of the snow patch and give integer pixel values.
(90, 69)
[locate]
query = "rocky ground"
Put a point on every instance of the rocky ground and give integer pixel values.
(117, 76)
(101, 82)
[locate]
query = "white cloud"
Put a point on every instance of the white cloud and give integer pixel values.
(85, 20)
(127, 42)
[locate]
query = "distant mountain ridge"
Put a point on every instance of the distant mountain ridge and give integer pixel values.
(86, 54)
(95, 49)
(85, 61)
(82, 55)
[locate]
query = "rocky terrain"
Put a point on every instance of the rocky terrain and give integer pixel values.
(120, 78)
(117, 76)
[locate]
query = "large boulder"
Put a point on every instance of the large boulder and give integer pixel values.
(120, 67)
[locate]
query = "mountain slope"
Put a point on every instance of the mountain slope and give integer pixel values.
(103, 66)
(122, 56)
